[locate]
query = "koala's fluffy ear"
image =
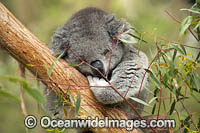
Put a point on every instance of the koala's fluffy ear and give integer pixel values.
(112, 24)
(59, 43)
(120, 28)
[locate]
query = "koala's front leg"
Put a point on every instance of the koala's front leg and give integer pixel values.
(127, 78)
(102, 91)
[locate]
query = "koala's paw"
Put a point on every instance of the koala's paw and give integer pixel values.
(102, 91)
(96, 82)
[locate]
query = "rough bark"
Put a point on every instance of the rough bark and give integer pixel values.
(27, 49)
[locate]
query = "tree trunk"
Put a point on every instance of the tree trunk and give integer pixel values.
(27, 49)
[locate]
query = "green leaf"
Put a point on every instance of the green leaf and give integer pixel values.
(34, 93)
(58, 130)
(71, 99)
(49, 71)
(13, 79)
(196, 90)
(198, 30)
(164, 106)
(73, 65)
(140, 101)
(172, 107)
(197, 57)
(59, 99)
(8, 95)
(178, 91)
(174, 90)
(197, 1)
(155, 92)
(177, 48)
(129, 36)
(196, 81)
(154, 108)
(187, 119)
(49, 130)
(166, 77)
(139, 38)
(61, 55)
(78, 103)
(193, 10)
(197, 99)
(183, 48)
(179, 99)
(127, 41)
(153, 99)
(172, 69)
(67, 89)
(174, 55)
(185, 24)
(154, 78)
(61, 130)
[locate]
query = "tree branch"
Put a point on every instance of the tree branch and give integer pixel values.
(27, 49)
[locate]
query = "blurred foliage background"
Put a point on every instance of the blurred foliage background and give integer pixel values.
(43, 17)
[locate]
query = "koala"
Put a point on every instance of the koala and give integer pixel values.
(90, 39)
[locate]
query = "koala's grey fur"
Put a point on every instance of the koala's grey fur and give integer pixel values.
(88, 35)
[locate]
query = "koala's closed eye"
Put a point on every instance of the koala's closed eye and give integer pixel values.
(99, 66)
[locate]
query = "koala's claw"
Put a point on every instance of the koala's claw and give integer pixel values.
(95, 81)
(90, 80)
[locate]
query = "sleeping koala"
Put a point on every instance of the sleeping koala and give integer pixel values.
(92, 36)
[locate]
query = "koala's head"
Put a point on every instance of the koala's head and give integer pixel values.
(88, 36)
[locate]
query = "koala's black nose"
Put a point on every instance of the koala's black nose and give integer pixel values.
(99, 65)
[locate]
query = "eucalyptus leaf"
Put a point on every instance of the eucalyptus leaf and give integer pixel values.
(71, 99)
(8, 95)
(196, 81)
(154, 108)
(49, 71)
(49, 130)
(197, 99)
(177, 48)
(153, 99)
(174, 55)
(34, 93)
(193, 10)
(183, 48)
(154, 78)
(140, 101)
(172, 107)
(185, 24)
(13, 79)
(197, 57)
(73, 65)
(78, 103)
